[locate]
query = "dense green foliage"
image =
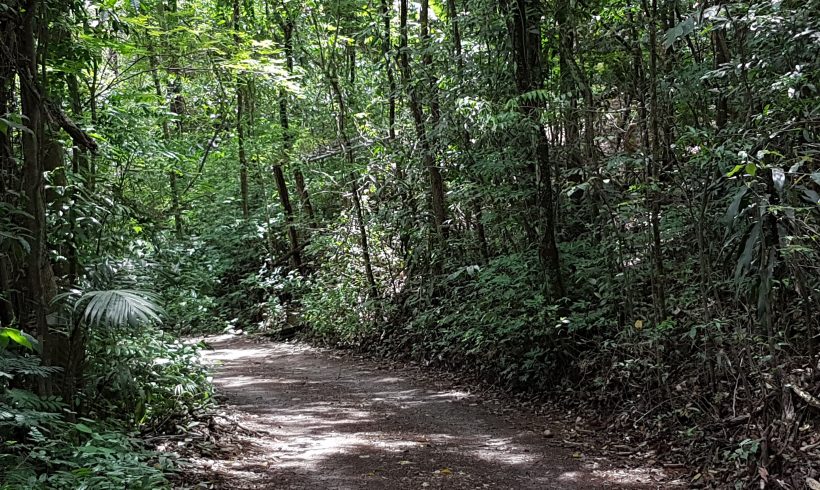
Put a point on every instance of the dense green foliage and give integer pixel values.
(134, 385)
(613, 201)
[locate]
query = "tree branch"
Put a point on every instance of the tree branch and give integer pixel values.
(81, 139)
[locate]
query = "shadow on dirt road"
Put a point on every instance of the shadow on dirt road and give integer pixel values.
(322, 421)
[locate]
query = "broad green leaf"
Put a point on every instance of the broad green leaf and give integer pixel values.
(15, 336)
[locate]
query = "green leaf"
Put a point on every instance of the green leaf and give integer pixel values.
(734, 208)
(745, 258)
(16, 336)
(5, 124)
(84, 428)
(683, 29)
(734, 171)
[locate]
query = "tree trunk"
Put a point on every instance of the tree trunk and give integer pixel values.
(354, 186)
(298, 177)
(7, 167)
(391, 80)
(243, 159)
(656, 160)
(525, 32)
(240, 121)
(278, 173)
(38, 266)
(466, 138)
(437, 202)
(282, 188)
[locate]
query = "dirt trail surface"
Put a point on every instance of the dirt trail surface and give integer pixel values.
(320, 420)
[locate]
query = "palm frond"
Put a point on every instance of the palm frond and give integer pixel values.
(119, 307)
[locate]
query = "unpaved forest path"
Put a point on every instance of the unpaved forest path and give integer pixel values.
(325, 421)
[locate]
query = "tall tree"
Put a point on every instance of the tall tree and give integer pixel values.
(414, 101)
(525, 35)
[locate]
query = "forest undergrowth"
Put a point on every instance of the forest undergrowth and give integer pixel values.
(613, 205)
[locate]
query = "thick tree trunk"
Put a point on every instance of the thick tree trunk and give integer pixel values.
(39, 270)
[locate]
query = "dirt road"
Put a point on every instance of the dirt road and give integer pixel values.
(325, 421)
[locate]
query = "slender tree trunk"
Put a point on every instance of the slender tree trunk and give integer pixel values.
(288, 28)
(7, 170)
(304, 196)
(344, 140)
(172, 174)
(525, 31)
(173, 185)
(240, 121)
(391, 79)
(293, 237)
(177, 108)
(437, 201)
(466, 138)
(721, 57)
(243, 159)
(655, 162)
(279, 176)
(566, 50)
(79, 167)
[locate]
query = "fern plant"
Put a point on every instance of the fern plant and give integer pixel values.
(24, 416)
(41, 449)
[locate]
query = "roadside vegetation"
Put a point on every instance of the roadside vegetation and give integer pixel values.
(609, 204)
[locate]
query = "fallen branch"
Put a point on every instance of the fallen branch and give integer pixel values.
(805, 395)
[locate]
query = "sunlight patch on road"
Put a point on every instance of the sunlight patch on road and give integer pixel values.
(631, 475)
(236, 354)
(450, 395)
(570, 476)
(501, 450)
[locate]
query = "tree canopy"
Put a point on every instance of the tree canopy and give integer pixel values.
(615, 202)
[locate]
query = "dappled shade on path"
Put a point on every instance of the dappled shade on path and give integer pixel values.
(323, 421)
